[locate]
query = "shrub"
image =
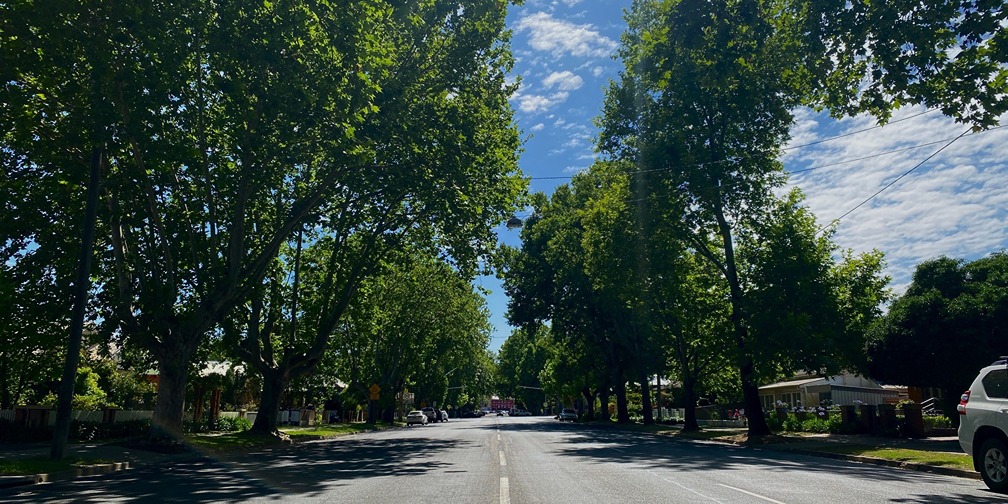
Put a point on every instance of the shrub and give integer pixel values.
(817, 425)
(937, 422)
(93, 431)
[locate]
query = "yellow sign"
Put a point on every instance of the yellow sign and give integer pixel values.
(374, 389)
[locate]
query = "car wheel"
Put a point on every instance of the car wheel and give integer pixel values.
(994, 464)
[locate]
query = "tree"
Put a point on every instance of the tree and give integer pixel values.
(521, 360)
(704, 105)
(874, 57)
(952, 308)
(416, 324)
(701, 110)
(228, 128)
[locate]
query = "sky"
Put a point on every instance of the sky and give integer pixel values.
(954, 203)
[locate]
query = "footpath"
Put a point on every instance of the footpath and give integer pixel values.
(110, 458)
(114, 457)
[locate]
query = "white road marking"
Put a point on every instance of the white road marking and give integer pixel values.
(503, 462)
(758, 496)
(690, 490)
(505, 493)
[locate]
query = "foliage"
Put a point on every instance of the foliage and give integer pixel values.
(951, 308)
(94, 431)
(877, 56)
(521, 359)
(88, 394)
(937, 422)
(221, 424)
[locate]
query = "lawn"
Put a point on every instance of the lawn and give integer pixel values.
(943, 459)
(43, 465)
(244, 441)
(326, 431)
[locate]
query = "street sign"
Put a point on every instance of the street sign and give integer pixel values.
(407, 397)
(374, 389)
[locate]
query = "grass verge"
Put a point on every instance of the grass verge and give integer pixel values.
(245, 441)
(329, 430)
(43, 465)
(942, 459)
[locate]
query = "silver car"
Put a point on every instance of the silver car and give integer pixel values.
(983, 424)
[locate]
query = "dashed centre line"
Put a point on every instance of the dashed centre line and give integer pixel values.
(503, 462)
(505, 493)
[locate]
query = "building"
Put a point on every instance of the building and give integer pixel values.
(840, 390)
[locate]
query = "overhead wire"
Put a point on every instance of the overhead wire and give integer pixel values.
(793, 147)
(893, 182)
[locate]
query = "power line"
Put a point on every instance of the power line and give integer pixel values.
(890, 184)
(850, 133)
(824, 140)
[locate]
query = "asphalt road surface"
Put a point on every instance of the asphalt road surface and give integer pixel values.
(504, 460)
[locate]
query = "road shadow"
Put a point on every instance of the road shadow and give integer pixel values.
(302, 470)
(685, 456)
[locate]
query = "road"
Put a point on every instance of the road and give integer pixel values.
(503, 460)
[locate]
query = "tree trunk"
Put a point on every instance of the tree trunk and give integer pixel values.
(5, 392)
(622, 413)
(689, 395)
(61, 432)
(269, 403)
(589, 401)
(747, 373)
(646, 400)
(166, 424)
(603, 395)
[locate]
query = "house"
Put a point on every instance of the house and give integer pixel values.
(840, 390)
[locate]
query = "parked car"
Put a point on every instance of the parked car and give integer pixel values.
(520, 412)
(444, 416)
(983, 424)
(416, 417)
(431, 414)
(568, 414)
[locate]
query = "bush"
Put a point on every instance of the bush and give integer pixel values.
(92, 431)
(11, 432)
(222, 424)
(817, 425)
(937, 422)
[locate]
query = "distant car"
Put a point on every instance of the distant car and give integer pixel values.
(431, 414)
(568, 414)
(416, 417)
(521, 412)
(983, 424)
(444, 416)
(501, 413)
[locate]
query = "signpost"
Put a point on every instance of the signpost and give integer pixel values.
(373, 391)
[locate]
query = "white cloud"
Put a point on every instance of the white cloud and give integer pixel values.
(559, 37)
(532, 103)
(537, 127)
(598, 70)
(564, 81)
(954, 204)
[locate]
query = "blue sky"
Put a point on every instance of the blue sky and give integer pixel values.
(954, 204)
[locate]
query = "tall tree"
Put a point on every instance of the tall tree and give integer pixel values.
(953, 308)
(704, 102)
(232, 126)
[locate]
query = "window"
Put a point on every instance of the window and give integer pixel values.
(768, 402)
(996, 383)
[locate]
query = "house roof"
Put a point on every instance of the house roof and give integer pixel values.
(795, 383)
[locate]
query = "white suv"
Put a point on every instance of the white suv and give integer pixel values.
(983, 424)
